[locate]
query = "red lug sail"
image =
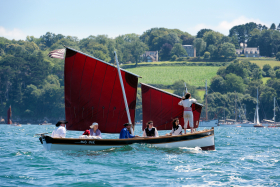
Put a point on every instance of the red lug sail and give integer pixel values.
(93, 93)
(162, 107)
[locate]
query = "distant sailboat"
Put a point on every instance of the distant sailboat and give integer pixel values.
(271, 123)
(256, 117)
(9, 118)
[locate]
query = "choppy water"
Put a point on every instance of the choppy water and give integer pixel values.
(243, 157)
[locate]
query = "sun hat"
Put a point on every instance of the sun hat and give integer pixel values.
(93, 124)
(61, 122)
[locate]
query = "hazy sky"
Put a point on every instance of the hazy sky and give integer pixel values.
(19, 18)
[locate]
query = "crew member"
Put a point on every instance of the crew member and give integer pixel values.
(60, 130)
(177, 128)
(94, 131)
(125, 132)
(150, 131)
(186, 102)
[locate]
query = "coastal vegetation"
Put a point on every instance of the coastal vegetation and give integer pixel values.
(33, 84)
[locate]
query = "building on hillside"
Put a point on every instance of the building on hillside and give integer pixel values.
(149, 56)
(248, 51)
(190, 50)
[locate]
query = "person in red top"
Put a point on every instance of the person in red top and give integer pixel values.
(87, 132)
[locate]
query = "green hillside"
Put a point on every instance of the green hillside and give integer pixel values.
(167, 75)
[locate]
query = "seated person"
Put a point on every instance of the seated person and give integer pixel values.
(125, 132)
(150, 131)
(177, 128)
(60, 130)
(93, 131)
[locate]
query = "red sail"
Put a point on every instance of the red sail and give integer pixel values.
(93, 93)
(9, 115)
(162, 107)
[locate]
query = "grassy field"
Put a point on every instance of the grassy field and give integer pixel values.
(261, 63)
(201, 93)
(265, 79)
(169, 63)
(194, 75)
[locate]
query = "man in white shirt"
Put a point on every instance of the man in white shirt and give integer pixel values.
(60, 130)
(187, 102)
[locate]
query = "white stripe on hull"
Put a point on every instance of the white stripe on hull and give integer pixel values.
(201, 142)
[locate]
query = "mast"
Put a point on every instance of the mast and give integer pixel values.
(123, 90)
(257, 108)
(235, 108)
(206, 103)
(274, 110)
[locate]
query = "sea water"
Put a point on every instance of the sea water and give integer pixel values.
(243, 157)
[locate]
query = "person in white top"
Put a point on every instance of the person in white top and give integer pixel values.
(150, 131)
(177, 128)
(60, 130)
(187, 102)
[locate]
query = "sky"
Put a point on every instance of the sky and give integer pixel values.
(83, 18)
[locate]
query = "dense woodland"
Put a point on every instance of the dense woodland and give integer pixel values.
(33, 83)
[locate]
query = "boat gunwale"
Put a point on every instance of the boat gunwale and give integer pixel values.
(138, 138)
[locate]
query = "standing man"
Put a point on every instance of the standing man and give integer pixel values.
(187, 102)
(60, 130)
(125, 132)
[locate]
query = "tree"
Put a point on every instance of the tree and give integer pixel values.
(200, 45)
(257, 74)
(217, 84)
(253, 40)
(234, 83)
(201, 32)
(164, 52)
(178, 50)
(236, 68)
(213, 38)
(273, 26)
(277, 74)
(278, 56)
(242, 32)
(228, 50)
(206, 55)
(213, 50)
(266, 69)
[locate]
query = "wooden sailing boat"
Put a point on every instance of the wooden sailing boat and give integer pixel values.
(271, 123)
(207, 122)
(96, 91)
(9, 118)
